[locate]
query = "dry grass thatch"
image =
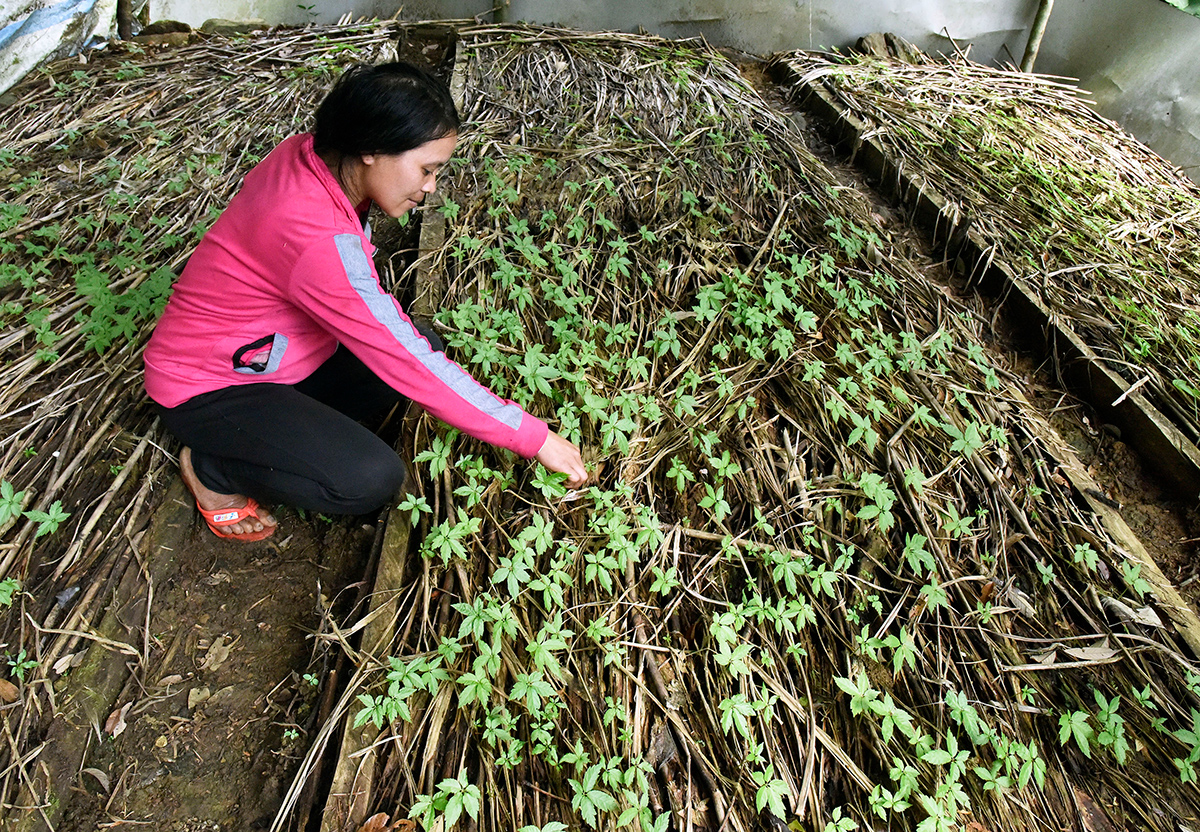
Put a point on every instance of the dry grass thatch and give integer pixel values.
(1099, 224)
(111, 170)
(830, 566)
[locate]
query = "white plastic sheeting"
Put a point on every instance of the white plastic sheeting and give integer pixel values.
(994, 30)
(31, 30)
(1140, 60)
(299, 12)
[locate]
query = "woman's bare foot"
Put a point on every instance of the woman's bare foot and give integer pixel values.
(210, 500)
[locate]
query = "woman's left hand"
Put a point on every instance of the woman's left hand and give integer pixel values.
(561, 455)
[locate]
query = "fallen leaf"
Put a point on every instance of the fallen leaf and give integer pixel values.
(1045, 658)
(1145, 616)
(100, 776)
(1093, 816)
(226, 696)
(375, 823)
(9, 692)
(115, 725)
(219, 577)
(66, 662)
(1020, 602)
(167, 681)
(1090, 654)
(198, 696)
(217, 655)
(381, 823)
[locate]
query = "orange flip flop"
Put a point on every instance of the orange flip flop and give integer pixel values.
(224, 517)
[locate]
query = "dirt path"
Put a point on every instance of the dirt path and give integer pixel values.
(216, 722)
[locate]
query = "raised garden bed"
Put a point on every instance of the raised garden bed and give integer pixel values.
(764, 605)
(833, 568)
(1087, 235)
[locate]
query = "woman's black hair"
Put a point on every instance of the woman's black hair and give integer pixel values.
(383, 108)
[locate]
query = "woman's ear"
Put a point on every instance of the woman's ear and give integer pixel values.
(368, 158)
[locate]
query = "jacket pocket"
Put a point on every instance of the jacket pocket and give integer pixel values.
(262, 356)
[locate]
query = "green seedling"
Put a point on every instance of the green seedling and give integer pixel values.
(19, 665)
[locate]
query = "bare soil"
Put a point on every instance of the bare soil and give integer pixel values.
(216, 724)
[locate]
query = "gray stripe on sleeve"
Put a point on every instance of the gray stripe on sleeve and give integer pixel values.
(382, 307)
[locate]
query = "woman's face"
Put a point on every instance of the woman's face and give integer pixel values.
(398, 182)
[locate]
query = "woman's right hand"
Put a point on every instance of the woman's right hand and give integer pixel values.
(561, 455)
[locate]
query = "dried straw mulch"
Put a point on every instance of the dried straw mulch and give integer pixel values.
(1104, 229)
(829, 569)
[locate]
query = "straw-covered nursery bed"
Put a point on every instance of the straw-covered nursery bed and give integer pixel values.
(833, 567)
(1094, 221)
(829, 568)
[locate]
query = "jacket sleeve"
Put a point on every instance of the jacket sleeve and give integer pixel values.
(335, 282)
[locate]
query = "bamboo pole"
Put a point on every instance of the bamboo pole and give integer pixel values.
(1035, 34)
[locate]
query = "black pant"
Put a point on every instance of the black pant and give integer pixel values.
(298, 445)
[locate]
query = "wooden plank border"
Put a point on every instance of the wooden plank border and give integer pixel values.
(353, 782)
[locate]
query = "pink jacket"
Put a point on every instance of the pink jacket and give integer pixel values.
(283, 277)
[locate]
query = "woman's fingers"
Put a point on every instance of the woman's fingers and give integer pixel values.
(562, 456)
